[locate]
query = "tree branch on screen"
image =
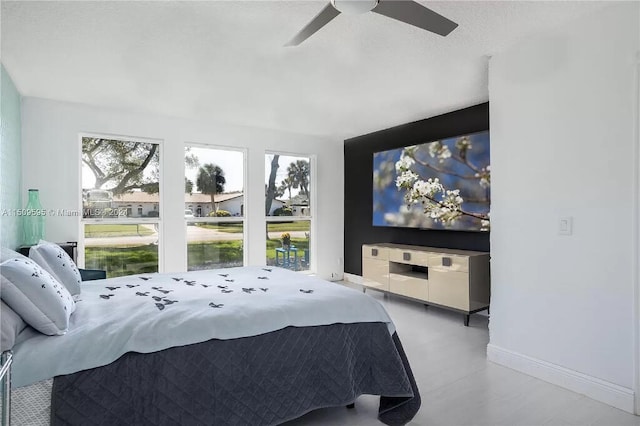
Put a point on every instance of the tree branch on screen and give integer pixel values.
(441, 204)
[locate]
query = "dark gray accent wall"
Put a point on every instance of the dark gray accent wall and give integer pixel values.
(358, 185)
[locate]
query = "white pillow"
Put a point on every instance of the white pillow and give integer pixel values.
(36, 296)
(58, 263)
(6, 254)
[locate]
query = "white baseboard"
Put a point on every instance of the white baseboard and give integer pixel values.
(598, 389)
(352, 278)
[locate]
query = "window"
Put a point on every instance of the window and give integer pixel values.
(214, 184)
(118, 174)
(288, 211)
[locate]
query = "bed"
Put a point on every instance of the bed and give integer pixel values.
(237, 346)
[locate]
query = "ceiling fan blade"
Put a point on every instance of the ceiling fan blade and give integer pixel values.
(415, 14)
(321, 19)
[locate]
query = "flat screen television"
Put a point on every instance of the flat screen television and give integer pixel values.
(443, 184)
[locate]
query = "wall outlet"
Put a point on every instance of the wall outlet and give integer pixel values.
(565, 226)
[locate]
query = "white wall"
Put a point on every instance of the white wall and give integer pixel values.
(563, 144)
(11, 233)
(232, 205)
(51, 157)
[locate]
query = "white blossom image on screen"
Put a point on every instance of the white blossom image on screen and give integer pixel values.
(439, 151)
(441, 204)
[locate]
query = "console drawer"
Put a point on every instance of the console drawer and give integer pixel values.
(449, 288)
(375, 252)
(375, 273)
(418, 288)
(447, 262)
(409, 257)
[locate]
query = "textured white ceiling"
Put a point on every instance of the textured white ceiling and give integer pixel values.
(225, 60)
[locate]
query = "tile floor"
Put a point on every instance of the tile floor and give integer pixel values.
(460, 387)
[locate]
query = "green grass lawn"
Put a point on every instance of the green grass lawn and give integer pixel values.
(289, 226)
(207, 255)
(273, 226)
(232, 228)
(124, 230)
(119, 261)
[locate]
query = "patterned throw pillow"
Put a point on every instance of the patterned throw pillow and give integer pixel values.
(36, 296)
(58, 263)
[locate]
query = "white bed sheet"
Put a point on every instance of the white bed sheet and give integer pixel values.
(152, 312)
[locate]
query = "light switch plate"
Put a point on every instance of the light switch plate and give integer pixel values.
(565, 226)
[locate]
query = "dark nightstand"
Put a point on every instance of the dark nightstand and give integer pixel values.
(70, 247)
(92, 274)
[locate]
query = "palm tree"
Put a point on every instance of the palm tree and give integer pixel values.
(211, 181)
(298, 172)
(286, 185)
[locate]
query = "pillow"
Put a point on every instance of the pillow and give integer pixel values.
(58, 263)
(6, 254)
(36, 296)
(12, 324)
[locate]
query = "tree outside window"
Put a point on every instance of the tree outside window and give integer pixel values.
(288, 211)
(121, 205)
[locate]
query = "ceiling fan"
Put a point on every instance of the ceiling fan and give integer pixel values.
(406, 11)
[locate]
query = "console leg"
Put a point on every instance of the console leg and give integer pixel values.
(352, 405)
(364, 289)
(466, 320)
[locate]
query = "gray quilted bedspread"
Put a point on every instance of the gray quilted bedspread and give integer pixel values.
(261, 380)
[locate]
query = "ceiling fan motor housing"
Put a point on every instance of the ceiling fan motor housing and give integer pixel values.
(354, 7)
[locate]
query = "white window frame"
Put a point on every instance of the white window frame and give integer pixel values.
(157, 221)
(233, 219)
(312, 204)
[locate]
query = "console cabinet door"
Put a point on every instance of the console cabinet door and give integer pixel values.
(375, 273)
(449, 288)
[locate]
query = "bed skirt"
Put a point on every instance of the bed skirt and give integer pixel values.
(261, 380)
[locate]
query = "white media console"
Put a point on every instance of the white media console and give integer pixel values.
(452, 279)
